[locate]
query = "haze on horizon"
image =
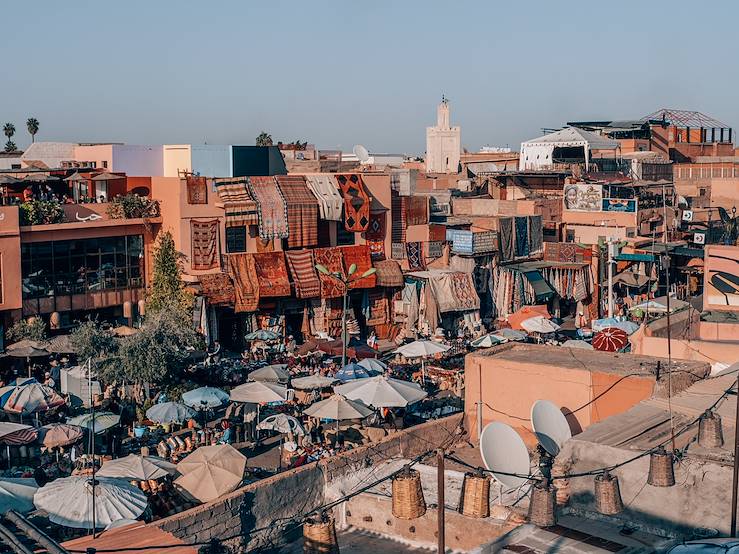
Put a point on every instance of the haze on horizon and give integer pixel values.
(341, 73)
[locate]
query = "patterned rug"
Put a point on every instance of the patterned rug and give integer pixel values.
(272, 274)
(197, 190)
(331, 259)
(379, 308)
(414, 251)
(326, 191)
(435, 249)
(271, 208)
(416, 210)
(359, 255)
(464, 291)
(505, 237)
(302, 211)
(239, 206)
(204, 240)
(377, 249)
(356, 202)
(246, 285)
(217, 288)
(398, 251)
(376, 227)
(522, 236)
(305, 276)
(397, 215)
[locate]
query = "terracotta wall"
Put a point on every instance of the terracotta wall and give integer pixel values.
(10, 258)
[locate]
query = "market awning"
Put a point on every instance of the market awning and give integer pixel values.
(634, 257)
(542, 289)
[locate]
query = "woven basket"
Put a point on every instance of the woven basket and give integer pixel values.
(408, 501)
(710, 433)
(475, 498)
(608, 494)
(543, 505)
(661, 472)
(319, 537)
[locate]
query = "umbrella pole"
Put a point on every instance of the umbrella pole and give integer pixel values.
(92, 440)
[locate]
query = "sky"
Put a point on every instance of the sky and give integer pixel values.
(341, 73)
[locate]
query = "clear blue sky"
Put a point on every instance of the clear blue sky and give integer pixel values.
(341, 73)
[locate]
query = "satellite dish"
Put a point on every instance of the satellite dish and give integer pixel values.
(361, 153)
(550, 426)
(503, 451)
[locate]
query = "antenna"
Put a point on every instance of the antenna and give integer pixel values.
(550, 426)
(504, 452)
(361, 153)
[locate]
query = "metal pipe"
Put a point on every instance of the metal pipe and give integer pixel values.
(440, 511)
(34, 533)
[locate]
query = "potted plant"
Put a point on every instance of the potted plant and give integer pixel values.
(139, 428)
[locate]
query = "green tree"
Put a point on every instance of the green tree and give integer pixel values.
(90, 340)
(167, 291)
(32, 124)
(264, 139)
(9, 131)
(10, 146)
(30, 329)
(157, 351)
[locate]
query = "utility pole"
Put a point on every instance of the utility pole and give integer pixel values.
(611, 244)
(441, 515)
(735, 479)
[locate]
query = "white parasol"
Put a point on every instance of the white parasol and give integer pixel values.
(382, 392)
(205, 397)
(258, 392)
(102, 421)
(312, 382)
(68, 501)
(276, 373)
(539, 324)
(282, 423)
(211, 471)
(421, 349)
(337, 408)
(170, 412)
(17, 494)
(140, 468)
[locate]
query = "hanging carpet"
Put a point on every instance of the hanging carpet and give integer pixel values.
(302, 211)
(305, 276)
(356, 202)
(204, 243)
(272, 275)
(271, 208)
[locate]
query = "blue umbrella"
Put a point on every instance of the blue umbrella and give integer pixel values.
(351, 372)
(373, 364)
(7, 391)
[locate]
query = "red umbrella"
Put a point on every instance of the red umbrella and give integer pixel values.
(610, 339)
(356, 350)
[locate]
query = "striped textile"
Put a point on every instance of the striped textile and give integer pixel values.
(331, 259)
(204, 243)
(388, 273)
(272, 275)
(239, 205)
(302, 211)
(397, 215)
(24, 436)
(359, 255)
(326, 190)
(271, 208)
(303, 271)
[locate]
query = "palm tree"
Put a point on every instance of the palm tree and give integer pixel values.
(9, 130)
(32, 125)
(264, 139)
(10, 146)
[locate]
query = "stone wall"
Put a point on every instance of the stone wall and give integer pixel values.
(258, 514)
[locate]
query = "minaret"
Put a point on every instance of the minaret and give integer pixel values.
(443, 142)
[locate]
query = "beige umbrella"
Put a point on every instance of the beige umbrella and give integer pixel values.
(140, 468)
(60, 434)
(27, 348)
(61, 344)
(337, 408)
(211, 471)
(107, 176)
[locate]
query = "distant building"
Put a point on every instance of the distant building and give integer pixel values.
(443, 143)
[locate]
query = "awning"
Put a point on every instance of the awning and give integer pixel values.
(542, 289)
(631, 279)
(634, 257)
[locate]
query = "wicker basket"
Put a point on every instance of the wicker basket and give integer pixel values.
(608, 494)
(408, 501)
(543, 505)
(475, 498)
(710, 433)
(661, 471)
(319, 536)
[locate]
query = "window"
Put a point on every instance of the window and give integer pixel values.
(105, 164)
(235, 239)
(570, 235)
(79, 266)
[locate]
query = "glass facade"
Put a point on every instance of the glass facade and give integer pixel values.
(78, 266)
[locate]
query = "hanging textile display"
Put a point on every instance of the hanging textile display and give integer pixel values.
(409, 298)
(398, 251)
(536, 234)
(197, 190)
(376, 226)
(416, 210)
(272, 275)
(437, 233)
(305, 276)
(397, 215)
(435, 249)
(326, 190)
(388, 273)
(464, 291)
(217, 288)
(522, 236)
(331, 259)
(377, 249)
(271, 208)
(505, 235)
(356, 202)
(359, 255)
(302, 211)
(379, 308)
(414, 252)
(238, 204)
(246, 284)
(204, 243)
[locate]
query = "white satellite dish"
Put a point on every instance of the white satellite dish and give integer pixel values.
(504, 452)
(361, 153)
(550, 426)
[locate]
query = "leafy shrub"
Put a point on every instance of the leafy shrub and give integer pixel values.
(41, 212)
(132, 206)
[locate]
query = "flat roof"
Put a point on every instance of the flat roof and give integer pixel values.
(589, 360)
